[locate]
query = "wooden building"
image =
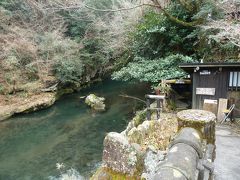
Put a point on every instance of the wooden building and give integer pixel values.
(213, 81)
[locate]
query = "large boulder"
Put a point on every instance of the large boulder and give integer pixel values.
(119, 155)
(95, 102)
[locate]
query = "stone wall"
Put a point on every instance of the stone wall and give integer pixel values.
(187, 156)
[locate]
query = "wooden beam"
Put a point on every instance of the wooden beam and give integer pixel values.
(161, 97)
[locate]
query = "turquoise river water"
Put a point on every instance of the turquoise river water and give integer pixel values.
(68, 132)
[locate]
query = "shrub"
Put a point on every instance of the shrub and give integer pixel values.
(68, 70)
(61, 56)
(2, 89)
(153, 70)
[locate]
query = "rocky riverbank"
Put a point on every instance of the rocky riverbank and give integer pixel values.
(134, 153)
(35, 96)
(17, 104)
(171, 147)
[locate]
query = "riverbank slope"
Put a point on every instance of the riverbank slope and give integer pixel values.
(16, 104)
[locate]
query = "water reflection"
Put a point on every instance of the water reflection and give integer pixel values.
(69, 133)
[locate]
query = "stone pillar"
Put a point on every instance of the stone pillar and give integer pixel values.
(202, 121)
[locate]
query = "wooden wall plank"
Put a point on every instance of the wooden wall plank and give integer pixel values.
(210, 105)
(216, 79)
(222, 105)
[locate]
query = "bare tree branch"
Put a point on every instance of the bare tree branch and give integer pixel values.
(133, 97)
(155, 4)
(228, 30)
(102, 10)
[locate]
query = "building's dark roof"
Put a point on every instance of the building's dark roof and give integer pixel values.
(191, 66)
(194, 65)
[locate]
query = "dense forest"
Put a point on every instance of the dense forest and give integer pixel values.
(70, 43)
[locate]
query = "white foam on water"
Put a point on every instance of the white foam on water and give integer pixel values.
(71, 174)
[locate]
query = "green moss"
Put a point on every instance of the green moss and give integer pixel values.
(2, 89)
(140, 165)
(200, 126)
(140, 117)
(171, 105)
(64, 91)
(108, 174)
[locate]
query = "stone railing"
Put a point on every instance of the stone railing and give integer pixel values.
(192, 151)
(189, 155)
(186, 159)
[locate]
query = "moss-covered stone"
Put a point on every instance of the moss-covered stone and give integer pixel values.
(95, 102)
(201, 120)
(140, 117)
(108, 174)
(61, 92)
(121, 156)
(156, 133)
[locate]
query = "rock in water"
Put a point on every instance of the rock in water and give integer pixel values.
(95, 102)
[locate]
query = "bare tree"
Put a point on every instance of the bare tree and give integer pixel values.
(228, 31)
(228, 28)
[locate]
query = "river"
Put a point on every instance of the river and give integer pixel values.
(68, 132)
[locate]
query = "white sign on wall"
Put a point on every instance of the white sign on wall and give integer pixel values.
(205, 72)
(210, 101)
(205, 91)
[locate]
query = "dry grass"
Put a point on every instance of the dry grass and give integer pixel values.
(162, 132)
(156, 133)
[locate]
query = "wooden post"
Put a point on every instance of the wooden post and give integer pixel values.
(148, 109)
(158, 108)
(159, 100)
(222, 105)
(194, 98)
